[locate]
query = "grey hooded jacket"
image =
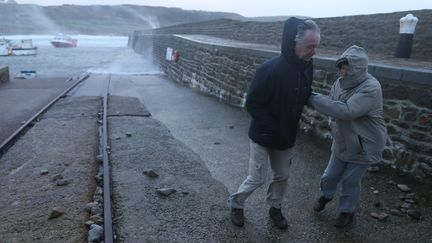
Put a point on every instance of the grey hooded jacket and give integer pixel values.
(355, 102)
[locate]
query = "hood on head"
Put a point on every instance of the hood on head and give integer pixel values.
(288, 38)
(358, 65)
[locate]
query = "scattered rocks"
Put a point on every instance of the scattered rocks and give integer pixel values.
(56, 212)
(151, 173)
(415, 214)
(380, 216)
(165, 191)
(403, 188)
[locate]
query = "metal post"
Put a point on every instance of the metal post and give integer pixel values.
(406, 34)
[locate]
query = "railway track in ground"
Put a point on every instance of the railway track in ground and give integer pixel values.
(103, 156)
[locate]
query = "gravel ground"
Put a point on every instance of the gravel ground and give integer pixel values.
(64, 142)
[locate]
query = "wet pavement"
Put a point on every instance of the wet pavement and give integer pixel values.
(218, 134)
(20, 99)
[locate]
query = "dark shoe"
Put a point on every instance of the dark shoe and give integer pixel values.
(277, 218)
(344, 219)
(237, 217)
(320, 204)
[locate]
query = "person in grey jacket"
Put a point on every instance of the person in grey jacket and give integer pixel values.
(359, 132)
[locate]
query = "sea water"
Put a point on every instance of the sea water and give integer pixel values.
(96, 54)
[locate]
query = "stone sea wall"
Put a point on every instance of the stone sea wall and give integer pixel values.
(377, 33)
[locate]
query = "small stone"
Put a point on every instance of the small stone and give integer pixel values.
(56, 212)
(408, 196)
(23, 122)
(403, 188)
(231, 127)
(57, 177)
(377, 204)
(415, 214)
(117, 138)
(89, 222)
(165, 191)
(376, 192)
(62, 182)
(95, 233)
(150, 173)
(44, 172)
(90, 205)
(217, 143)
(185, 193)
(129, 134)
(403, 210)
(396, 212)
(406, 205)
(99, 157)
(391, 182)
(379, 216)
(373, 169)
(411, 201)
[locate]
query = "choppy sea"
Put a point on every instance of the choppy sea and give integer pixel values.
(96, 54)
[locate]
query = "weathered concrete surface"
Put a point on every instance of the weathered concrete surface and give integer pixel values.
(194, 213)
(218, 134)
(20, 99)
(64, 141)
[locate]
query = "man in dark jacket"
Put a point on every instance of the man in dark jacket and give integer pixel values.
(275, 101)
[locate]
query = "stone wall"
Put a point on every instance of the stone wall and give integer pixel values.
(226, 71)
(377, 33)
(4, 74)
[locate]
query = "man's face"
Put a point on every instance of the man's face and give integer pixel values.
(306, 48)
(344, 71)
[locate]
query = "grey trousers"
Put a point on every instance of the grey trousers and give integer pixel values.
(260, 160)
(351, 175)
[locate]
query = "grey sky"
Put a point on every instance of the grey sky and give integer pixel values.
(251, 8)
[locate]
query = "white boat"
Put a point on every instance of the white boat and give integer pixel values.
(26, 74)
(23, 48)
(63, 41)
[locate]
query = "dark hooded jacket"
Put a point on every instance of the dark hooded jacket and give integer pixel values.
(277, 94)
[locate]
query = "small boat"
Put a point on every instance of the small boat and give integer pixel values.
(23, 48)
(26, 74)
(64, 41)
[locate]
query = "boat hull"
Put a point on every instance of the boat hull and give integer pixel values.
(24, 51)
(63, 44)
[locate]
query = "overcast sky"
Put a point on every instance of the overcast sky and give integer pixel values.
(252, 8)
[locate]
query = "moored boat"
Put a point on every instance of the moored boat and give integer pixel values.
(64, 41)
(23, 48)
